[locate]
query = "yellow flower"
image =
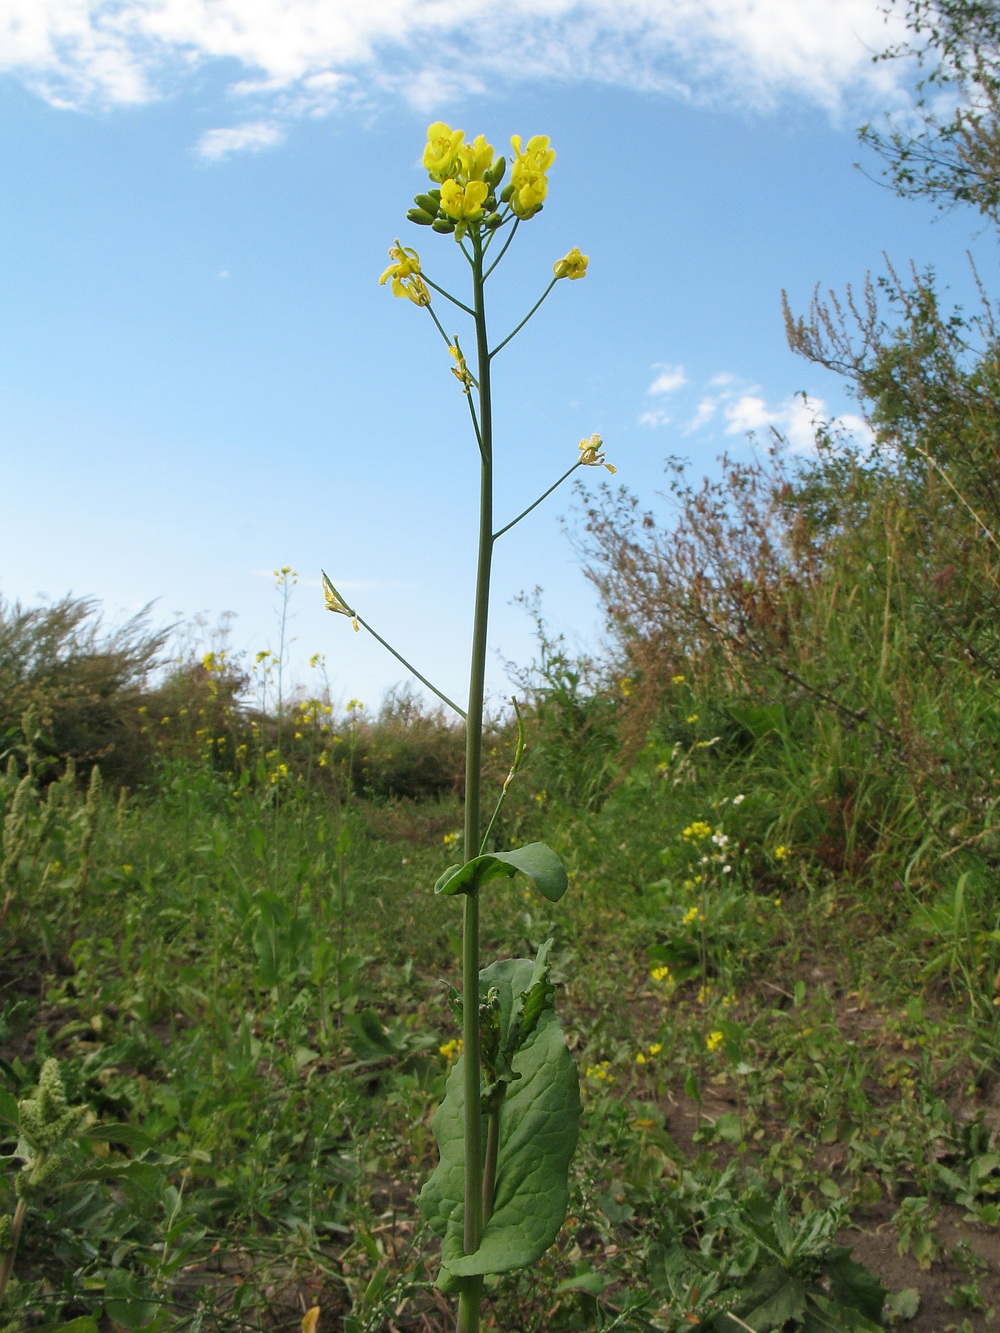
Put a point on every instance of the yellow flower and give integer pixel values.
(462, 372)
(677, 680)
(656, 1048)
(780, 852)
(528, 174)
(640, 1058)
(405, 274)
(463, 203)
(714, 1040)
(699, 829)
(692, 914)
(475, 159)
(451, 1049)
(661, 973)
(600, 1072)
(625, 685)
(572, 266)
(692, 719)
(334, 602)
(442, 150)
(592, 453)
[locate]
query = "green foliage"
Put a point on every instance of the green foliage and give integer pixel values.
(537, 1134)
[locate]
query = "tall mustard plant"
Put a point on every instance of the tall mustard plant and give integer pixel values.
(507, 1127)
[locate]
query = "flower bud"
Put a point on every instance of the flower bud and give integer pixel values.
(495, 174)
(444, 225)
(428, 202)
(508, 190)
(418, 216)
(492, 221)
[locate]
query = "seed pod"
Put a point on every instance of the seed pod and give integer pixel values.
(418, 216)
(427, 203)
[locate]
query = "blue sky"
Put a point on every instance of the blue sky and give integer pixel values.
(200, 379)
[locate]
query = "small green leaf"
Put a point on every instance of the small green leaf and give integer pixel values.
(125, 1301)
(903, 1304)
(590, 1282)
(129, 1136)
(538, 1132)
(536, 861)
(83, 1324)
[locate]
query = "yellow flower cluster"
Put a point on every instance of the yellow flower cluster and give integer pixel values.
(697, 831)
(600, 1072)
(642, 1056)
(714, 1040)
(661, 974)
(451, 1050)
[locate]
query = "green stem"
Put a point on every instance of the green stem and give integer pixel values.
(492, 1157)
(470, 1296)
(409, 665)
(7, 1263)
(535, 503)
(504, 248)
(517, 329)
(447, 295)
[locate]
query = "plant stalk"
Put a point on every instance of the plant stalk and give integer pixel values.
(471, 1293)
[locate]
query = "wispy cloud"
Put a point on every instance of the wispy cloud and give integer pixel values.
(306, 57)
(734, 406)
(251, 137)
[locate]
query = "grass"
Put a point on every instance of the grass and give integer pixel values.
(749, 1019)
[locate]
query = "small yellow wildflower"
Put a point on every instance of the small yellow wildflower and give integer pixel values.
(640, 1057)
(573, 265)
(691, 719)
(677, 680)
(625, 685)
(714, 1040)
(405, 274)
(441, 155)
(692, 914)
(461, 371)
(528, 174)
(661, 973)
(656, 1048)
(780, 852)
(451, 1050)
(696, 831)
(126, 869)
(450, 839)
(464, 203)
(592, 453)
(334, 602)
(600, 1072)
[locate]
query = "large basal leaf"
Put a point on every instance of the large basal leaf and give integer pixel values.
(537, 861)
(538, 1131)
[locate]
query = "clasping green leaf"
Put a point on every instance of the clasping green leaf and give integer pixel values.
(536, 861)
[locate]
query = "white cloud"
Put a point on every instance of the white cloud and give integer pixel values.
(248, 138)
(669, 379)
(655, 417)
(304, 57)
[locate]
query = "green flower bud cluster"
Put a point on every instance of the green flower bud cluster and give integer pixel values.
(429, 213)
(46, 1120)
(6, 1233)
